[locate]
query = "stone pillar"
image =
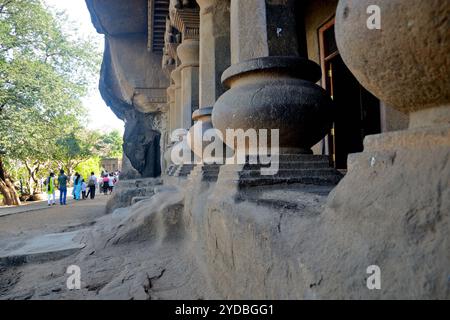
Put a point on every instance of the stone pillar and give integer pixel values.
(273, 87)
(176, 77)
(172, 109)
(214, 48)
(172, 124)
(248, 30)
(189, 56)
(214, 59)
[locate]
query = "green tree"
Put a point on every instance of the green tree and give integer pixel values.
(110, 145)
(44, 72)
(73, 149)
(91, 165)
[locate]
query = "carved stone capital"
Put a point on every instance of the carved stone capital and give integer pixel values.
(188, 53)
(185, 16)
(176, 77)
(204, 4)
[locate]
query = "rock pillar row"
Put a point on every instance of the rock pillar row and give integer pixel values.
(272, 85)
(184, 18)
(214, 59)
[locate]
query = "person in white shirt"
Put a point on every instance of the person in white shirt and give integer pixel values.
(112, 181)
(92, 185)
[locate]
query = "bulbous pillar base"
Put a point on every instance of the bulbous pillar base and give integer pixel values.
(276, 93)
(203, 122)
(205, 170)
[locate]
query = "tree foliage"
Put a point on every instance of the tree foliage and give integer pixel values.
(110, 145)
(45, 70)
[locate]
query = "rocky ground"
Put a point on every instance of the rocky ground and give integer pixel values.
(34, 220)
(125, 255)
(191, 240)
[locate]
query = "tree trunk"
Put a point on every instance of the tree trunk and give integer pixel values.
(33, 181)
(36, 187)
(7, 189)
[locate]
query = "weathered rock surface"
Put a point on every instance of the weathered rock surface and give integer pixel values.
(142, 144)
(399, 221)
(126, 190)
(202, 243)
(40, 248)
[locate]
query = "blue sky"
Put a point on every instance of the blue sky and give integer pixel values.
(100, 116)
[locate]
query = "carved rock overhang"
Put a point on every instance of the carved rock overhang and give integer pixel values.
(125, 19)
(119, 17)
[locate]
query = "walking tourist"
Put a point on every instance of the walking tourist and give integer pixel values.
(50, 185)
(62, 186)
(77, 187)
(105, 184)
(83, 189)
(111, 183)
(73, 183)
(92, 185)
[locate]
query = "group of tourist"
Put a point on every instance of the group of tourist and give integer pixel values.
(82, 190)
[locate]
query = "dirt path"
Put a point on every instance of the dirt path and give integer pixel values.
(52, 219)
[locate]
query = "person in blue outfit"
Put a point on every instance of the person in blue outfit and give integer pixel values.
(77, 187)
(62, 186)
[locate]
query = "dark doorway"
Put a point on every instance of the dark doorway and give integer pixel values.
(358, 111)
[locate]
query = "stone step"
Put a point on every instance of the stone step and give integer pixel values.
(293, 165)
(210, 178)
(184, 170)
(314, 180)
(214, 170)
(171, 170)
(291, 173)
(301, 157)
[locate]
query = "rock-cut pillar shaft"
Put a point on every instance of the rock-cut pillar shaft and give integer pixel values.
(176, 77)
(188, 53)
(214, 59)
(271, 85)
(214, 48)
